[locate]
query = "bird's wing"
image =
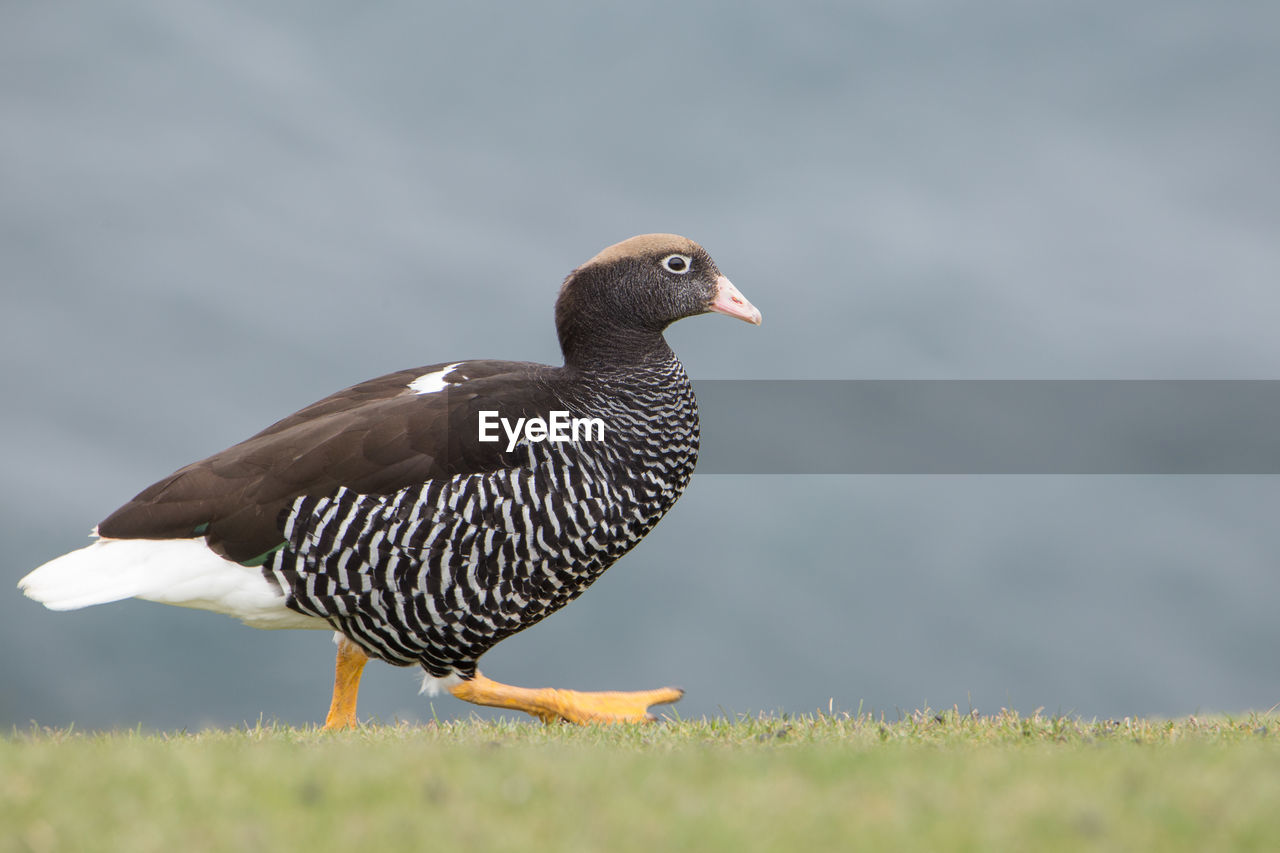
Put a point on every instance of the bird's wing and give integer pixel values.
(373, 438)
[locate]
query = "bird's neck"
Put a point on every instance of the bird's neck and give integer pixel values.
(617, 348)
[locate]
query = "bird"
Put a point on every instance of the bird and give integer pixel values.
(428, 514)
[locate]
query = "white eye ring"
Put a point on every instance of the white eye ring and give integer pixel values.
(678, 264)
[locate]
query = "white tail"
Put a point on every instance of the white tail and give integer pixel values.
(184, 572)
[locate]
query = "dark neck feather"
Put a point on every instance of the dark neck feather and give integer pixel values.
(599, 348)
(600, 333)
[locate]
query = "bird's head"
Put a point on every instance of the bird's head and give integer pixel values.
(633, 290)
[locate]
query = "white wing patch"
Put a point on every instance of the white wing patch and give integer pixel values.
(431, 383)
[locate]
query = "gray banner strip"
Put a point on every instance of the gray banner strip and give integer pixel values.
(989, 427)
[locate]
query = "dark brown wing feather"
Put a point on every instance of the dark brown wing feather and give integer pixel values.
(374, 438)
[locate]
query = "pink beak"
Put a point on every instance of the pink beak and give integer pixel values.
(729, 301)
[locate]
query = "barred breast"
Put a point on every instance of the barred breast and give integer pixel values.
(437, 573)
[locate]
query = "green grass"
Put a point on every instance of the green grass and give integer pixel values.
(929, 781)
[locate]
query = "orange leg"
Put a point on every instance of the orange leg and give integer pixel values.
(550, 705)
(346, 685)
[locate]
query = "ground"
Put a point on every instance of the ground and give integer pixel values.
(927, 780)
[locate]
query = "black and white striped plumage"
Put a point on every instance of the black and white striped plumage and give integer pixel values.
(379, 512)
(436, 573)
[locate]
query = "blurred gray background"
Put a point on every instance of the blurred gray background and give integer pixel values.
(213, 213)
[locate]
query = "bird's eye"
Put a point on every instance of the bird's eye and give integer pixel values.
(678, 264)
